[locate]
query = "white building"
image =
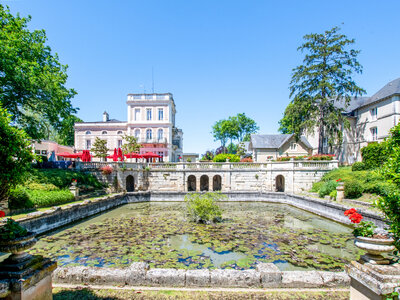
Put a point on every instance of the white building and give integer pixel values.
(371, 119)
(266, 147)
(151, 119)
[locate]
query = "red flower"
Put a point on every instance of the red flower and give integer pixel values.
(2, 214)
(74, 180)
(356, 218)
(338, 179)
(350, 211)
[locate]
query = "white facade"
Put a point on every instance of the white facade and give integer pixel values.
(371, 119)
(151, 118)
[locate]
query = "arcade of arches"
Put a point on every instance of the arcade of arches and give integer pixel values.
(204, 183)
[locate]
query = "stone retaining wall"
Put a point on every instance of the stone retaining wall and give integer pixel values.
(266, 275)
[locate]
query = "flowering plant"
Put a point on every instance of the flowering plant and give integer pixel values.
(106, 170)
(340, 179)
(11, 229)
(364, 228)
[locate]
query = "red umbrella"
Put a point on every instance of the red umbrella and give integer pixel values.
(150, 155)
(115, 155)
(65, 154)
(133, 155)
(120, 155)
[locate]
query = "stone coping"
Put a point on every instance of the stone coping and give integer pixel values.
(266, 275)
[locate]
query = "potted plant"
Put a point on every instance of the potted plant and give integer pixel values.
(375, 244)
(15, 239)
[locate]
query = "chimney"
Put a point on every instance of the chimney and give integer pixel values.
(105, 116)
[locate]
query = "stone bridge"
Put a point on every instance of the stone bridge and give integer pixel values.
(288, 176)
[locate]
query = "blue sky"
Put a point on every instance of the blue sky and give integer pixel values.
(218, 58)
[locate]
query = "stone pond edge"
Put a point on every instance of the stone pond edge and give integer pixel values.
(266, 275)
(55, 217)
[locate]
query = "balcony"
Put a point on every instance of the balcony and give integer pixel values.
(144, 140)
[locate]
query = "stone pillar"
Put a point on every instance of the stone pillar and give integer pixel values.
(340, 192)
(369, 281)
(27, 280)
(198, 183)
(74, 190)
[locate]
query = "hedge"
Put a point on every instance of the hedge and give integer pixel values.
(374, 155)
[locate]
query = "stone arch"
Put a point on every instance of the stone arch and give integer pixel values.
(280, 183)
(204, 183)
(217, 183)
(191, 183)
(130, 183)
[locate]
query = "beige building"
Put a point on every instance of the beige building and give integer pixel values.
(266, 147)
(151, 119)
(371, 119)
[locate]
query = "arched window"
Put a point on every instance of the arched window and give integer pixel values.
(149, 134)
(88, 132)
(137, 133)
(104, 132)
(119, 132)
(160, 134)
(204, 183)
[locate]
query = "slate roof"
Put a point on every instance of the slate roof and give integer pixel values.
(390, 89)
(273, 141)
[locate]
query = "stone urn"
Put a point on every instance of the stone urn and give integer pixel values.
(375, 247)
(17, 248)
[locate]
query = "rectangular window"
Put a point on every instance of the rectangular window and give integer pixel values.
(137, 114)
(374, 113)
(119, 143)
(148, 114)
(160, 114)
(374, 133)
(37, 151)
(293, 146)
(88, 144)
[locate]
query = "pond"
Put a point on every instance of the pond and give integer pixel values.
(160, 234)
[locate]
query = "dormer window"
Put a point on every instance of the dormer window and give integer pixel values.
(119, 132)
(104, 132)
(293, 146)
(374, 113)
(88, 132)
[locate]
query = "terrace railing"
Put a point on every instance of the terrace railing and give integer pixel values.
(278, 165)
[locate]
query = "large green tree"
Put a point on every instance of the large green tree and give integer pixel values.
(99, 148)
(32, 80)
(16, 155)
(238, 127)
(321, 88)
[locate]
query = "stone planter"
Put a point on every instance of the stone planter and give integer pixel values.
(17, 247)
(375, 248)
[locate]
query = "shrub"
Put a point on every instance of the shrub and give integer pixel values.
(202, 208)
(50, 198)
(321, 157)
(358, 166)
(353, 189)
(225, 157)
(327, 188)
(106, 170)
(283, 158)
(316, 186)
(207, 156)
(63, 178)
(303, 157)
(374, 155)
(333, 194)
(18, 198)
(41, 186)
(189, 160)
(246, 159)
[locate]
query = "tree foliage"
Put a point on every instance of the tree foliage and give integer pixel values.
(390, 203)
(99, 148)
(203, 208)
(131, 145)
(238, 127)
(32, 80)
(16, 154)
(322, 87)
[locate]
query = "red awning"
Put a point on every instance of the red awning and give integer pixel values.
(150, 155)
